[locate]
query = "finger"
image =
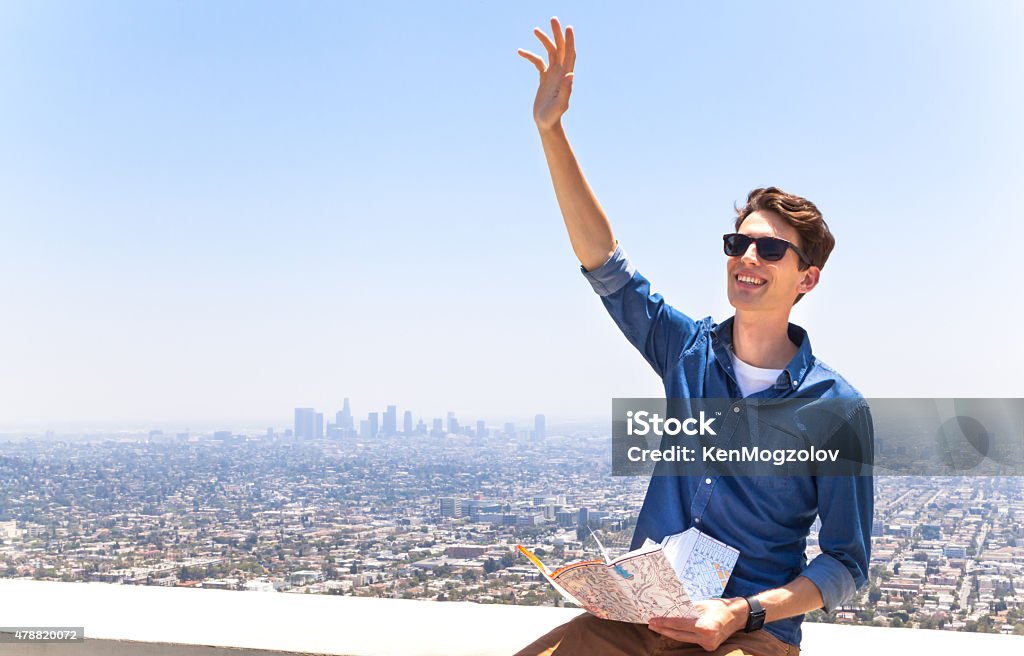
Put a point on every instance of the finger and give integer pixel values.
(567, 86)
(548, 45)
(556, 31)
(675, 634)
(537, 61)
(570, 49)
(676, 623)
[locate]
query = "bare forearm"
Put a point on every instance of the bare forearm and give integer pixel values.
(589, 230)
(797, 597)
(717, 619)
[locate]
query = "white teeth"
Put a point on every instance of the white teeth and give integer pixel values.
(748, 279)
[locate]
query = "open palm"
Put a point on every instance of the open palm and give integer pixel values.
(555, 77)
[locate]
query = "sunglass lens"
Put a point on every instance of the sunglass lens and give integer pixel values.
(736, 245)
(771, 249)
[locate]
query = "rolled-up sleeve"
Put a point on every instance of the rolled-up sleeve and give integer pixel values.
(846, 510)
(832, 579)
(611, 276)
(660, 332)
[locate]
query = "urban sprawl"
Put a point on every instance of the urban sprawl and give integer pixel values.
(383, 508)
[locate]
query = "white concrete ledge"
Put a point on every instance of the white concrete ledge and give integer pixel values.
(317, 624)
(189, 622)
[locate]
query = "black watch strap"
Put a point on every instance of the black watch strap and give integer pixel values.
(756, 618)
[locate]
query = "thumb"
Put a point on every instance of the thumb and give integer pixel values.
(566, 88)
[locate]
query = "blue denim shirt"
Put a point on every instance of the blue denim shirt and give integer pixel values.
(767, 518)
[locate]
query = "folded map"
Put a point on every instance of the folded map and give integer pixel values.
(656, 580)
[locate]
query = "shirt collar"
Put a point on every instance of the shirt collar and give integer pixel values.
(794, 373)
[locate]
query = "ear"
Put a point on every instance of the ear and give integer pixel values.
(810, 279)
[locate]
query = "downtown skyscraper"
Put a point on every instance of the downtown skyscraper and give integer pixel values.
(305, 423)
(390, 426)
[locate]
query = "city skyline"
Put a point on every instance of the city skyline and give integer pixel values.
(327, 417)
(310, 424)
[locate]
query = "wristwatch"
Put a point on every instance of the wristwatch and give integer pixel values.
(756, 618)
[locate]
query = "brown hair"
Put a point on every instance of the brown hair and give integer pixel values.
(816, 241)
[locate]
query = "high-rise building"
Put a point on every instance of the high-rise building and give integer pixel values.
(450, 507)
(407, 422)
(510, 429)
(438, 428)
(583, 523)
(481, 428)
(374, 424)
(538, 428)
(318, 425)
(421, 428)
(305, 423)
(345, 418)
(390, 421)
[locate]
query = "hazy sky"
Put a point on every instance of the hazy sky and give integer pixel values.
(220, 211)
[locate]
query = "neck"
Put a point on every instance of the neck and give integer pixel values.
(762, 339)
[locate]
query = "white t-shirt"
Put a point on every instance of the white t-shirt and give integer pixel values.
(753, 379)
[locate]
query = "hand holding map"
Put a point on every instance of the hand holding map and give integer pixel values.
(656, 580)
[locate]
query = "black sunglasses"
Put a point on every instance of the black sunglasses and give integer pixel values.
(770, 248)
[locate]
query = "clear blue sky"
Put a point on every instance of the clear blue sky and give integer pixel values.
(220, 211)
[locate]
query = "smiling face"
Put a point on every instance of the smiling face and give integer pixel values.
(758, 285)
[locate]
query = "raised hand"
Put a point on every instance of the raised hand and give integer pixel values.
(556, 77)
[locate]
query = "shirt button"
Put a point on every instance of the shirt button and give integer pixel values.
(735, 408)
(708, 481)
(697, 521)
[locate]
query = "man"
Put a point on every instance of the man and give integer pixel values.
(774, 258)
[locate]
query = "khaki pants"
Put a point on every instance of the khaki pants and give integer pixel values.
(587, 635)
